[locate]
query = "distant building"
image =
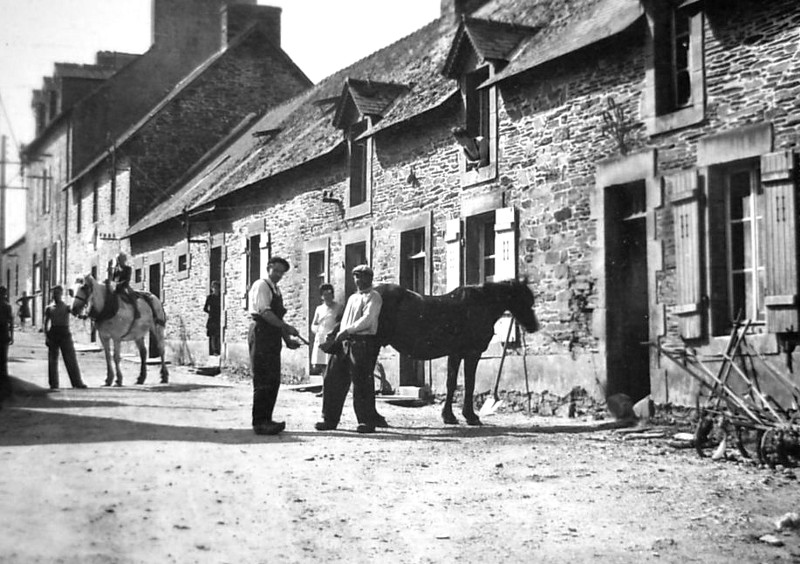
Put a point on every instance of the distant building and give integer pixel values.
(112, 138)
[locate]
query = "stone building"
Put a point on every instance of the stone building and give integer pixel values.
(635, 160)
(110, 148)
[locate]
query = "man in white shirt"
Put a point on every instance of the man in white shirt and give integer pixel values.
(267, 331)
(357, 334)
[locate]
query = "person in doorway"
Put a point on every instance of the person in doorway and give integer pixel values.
(356, 361)
(59, 338)
(24, 310)
(326, 317)
(122, 282)
(6, 340)
(267, 332)
(212, 308)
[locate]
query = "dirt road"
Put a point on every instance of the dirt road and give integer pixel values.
(173, 473)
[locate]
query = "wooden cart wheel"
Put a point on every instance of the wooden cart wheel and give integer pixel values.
(704, 427)
(769, 448)
(743, 437)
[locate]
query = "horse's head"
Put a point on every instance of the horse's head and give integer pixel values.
(520, 304)
(82, 294)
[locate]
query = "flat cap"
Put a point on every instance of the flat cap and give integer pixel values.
(363, 269)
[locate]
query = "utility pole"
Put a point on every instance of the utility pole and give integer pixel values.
(3, 214)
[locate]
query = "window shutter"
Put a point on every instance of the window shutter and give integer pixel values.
(505, 244)
(452, 241)
(778, 181)
(265, 250)
(685, 198)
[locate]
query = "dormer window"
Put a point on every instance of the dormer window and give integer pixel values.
(360, 106)
(675, 89)
(480, 48)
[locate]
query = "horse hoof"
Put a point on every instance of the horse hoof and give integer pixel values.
(107, 384)
(165, 380)
(140, 381)
(118, 384)
(474, 421)
(450, 419)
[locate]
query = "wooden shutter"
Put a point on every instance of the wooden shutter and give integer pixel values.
(780, 229)
(505, 245)
(452, 241)
(685, 198)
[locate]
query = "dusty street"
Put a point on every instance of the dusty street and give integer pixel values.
(173, 473)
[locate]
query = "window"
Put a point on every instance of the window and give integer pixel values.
(412, 260)
(253, 259)
(360, 162)
(477, 137)
(112, 196)
(489, 249)
(675, 92)
(737, 258)
(182, 260)
(476, 104)
(745, 236)
(674, 85)
(480, 247)
(94, 201)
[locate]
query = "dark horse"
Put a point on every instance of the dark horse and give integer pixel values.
(458, 325)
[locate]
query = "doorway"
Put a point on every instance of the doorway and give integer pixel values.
(215, 275)
(628, 324)
(412, 277)
(316, 276)
(154, 287)
(354, 254)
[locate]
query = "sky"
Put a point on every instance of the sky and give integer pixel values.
(321, 36)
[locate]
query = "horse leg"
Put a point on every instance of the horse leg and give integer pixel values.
(468, 411)
(107, 350)
(142, 360)
(117, 346)
(453, 362)
(162, 349)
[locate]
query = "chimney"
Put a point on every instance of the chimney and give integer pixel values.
(452, 10)
(237, 17)
(189, 28)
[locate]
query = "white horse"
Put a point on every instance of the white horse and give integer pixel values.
(115, 321)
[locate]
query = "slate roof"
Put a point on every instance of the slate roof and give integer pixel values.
(303, 129)
(595, 21)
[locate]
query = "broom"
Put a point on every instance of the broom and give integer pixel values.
(494, 403)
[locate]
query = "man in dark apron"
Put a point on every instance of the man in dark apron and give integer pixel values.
(267, 333)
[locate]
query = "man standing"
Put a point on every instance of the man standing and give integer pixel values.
(267, 331)
(212, 308)
(59, 338)
(357, 360)
(6, 339)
